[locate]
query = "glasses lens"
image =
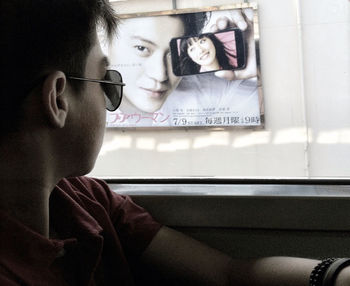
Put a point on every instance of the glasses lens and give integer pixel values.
(113, 92)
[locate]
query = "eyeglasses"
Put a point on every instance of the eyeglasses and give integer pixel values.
(112, 85)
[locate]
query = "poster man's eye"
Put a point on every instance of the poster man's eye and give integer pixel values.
(142, 50)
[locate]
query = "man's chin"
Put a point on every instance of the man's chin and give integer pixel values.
(151, 107)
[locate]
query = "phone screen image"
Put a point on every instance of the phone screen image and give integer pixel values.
(208, 52)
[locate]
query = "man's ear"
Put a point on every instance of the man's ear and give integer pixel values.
(55, 98)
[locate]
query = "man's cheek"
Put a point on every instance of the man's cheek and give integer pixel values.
(174, 81)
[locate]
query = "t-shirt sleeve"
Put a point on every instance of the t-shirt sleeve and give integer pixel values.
(134, 225)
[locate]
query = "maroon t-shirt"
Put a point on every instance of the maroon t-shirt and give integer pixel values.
(100, 236)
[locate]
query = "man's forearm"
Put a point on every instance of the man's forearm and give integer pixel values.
(277, 271)
(181, 258)
(272, 271)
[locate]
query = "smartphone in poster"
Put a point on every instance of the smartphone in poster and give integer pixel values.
(208, 52)
(195, 69)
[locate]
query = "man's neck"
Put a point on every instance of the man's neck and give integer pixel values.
(26, 181)
(27, 202)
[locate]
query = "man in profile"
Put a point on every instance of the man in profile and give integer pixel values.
(57, 227)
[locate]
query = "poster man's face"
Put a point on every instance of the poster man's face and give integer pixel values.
(142, 55)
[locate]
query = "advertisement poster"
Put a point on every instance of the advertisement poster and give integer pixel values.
(188, 69)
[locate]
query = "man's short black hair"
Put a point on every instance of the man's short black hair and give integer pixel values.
(40, 36)
(194, 22)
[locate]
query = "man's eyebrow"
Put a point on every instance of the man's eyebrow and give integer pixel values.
(143, 39)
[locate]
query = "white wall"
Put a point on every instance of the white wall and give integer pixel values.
(304, 50)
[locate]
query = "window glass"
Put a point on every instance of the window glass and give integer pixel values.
(305, 76)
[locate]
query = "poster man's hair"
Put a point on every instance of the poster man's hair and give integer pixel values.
(194, 22)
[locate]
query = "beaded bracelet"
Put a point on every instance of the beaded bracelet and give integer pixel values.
(325, 273)
(318, 273)
(333, 270)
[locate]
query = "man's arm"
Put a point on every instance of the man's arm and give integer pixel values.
(188, 262)
(177, 257)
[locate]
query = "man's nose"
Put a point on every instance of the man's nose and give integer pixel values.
(157, 68)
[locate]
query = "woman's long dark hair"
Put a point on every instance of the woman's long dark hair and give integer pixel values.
(188, 66)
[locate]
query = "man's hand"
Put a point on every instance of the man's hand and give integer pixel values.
(343, 278)
(242, 19)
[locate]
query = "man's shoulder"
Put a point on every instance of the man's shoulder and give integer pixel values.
(82, 184)
(85, 188)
